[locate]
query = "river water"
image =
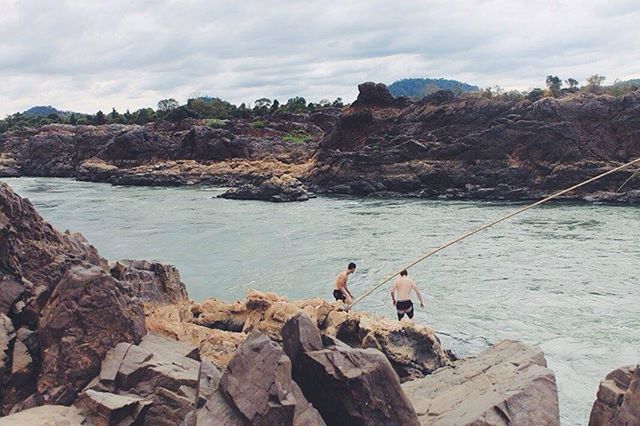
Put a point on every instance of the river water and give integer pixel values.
(563, 276)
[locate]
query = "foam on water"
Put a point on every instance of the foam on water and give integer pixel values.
(564, 276)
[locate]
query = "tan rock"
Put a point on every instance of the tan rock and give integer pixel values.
(46, 415)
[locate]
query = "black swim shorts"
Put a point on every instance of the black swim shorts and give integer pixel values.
(339, 295)
(404, 307)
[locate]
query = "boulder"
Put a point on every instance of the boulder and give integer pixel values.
(104, 408)
(508, 384)
(166, 374)
(346, 385)
(150, 281)
(257, 388)
(276, 189)
(86, 315)
(373, 94)
(618, 399)
(46, 415)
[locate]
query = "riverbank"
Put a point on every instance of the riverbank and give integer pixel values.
(80, 332)
(442, 147)
(520, 282)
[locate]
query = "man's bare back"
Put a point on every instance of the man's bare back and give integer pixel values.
(403, 286)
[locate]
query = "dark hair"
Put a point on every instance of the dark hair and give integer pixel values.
(403, 273)
(351, 266)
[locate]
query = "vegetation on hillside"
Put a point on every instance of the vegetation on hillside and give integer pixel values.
(420, 87)
(213, 110)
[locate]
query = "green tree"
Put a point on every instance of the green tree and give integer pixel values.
(262, 106)
(297, 104)
(337, 103)
(554, 84)
(274, 106)
(114, 115)
(73, 120)
(535, 94)
(99, 118)
(166, 105)
(573, 85)
(594, 83)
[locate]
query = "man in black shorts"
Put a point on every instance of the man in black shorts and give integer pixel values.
(403, 285)
(341, 291)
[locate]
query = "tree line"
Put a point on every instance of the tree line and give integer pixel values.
(557, 88)
(171, 110)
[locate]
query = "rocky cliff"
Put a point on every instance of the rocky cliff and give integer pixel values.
(84, 341)
(445, 145)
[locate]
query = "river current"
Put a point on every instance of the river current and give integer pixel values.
(563, 276)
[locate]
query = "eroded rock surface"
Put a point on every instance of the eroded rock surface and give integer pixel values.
(279, 189)
(348, 386)
(150, 281)
(508, 384)
(618, 399)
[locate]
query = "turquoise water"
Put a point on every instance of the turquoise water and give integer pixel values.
(563, 276)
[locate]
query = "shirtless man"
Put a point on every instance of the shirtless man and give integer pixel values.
(340, 291)
(403, 286)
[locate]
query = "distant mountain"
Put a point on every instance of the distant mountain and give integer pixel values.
(421, 87)
(41, 110)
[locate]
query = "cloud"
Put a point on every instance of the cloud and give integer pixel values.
(92, 55)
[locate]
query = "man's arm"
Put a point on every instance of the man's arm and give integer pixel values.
(415, 288)
(393, 294)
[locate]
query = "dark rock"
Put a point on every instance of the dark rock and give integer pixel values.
(203, 143)
(346, 385)
(86, 315)
(618, 399)
(138, 144)
(151, 281)
(258, 385)
(372, 94)
(165, 372)
(276, 189)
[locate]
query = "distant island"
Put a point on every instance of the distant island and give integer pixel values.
(421, 87)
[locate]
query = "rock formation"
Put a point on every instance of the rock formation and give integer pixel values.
(452, 146)
(508, 384)
(618, 399)
(74, 349)
(277, 189)
(442, 146)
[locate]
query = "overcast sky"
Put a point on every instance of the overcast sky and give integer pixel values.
(89, 55)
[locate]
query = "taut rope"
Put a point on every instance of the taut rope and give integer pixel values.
(495, 222)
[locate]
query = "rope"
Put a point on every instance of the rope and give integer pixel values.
(489, 225)
(637, 172)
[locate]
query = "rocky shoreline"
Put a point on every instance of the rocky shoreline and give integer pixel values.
(443, 146)
(87, 341)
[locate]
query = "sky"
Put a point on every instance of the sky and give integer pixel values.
(89, 55)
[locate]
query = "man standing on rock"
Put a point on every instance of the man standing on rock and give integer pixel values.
(340, 291)
(403, 285)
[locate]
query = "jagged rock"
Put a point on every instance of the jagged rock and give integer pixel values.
(372, 94)
(46, 415)
(86, 315)
(257, 388)
(413, 350)
(151, 281)
(346, 385)
(111, 409)
(166, 372)
(618, 399)
(174, 322)
(203, 143)
(508, 384)
(7, 336)
(277, 189)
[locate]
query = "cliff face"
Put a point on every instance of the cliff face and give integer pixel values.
(444, 146)
(465, 147)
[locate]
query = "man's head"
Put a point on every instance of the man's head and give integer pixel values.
(404, 273)
(351, 267)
